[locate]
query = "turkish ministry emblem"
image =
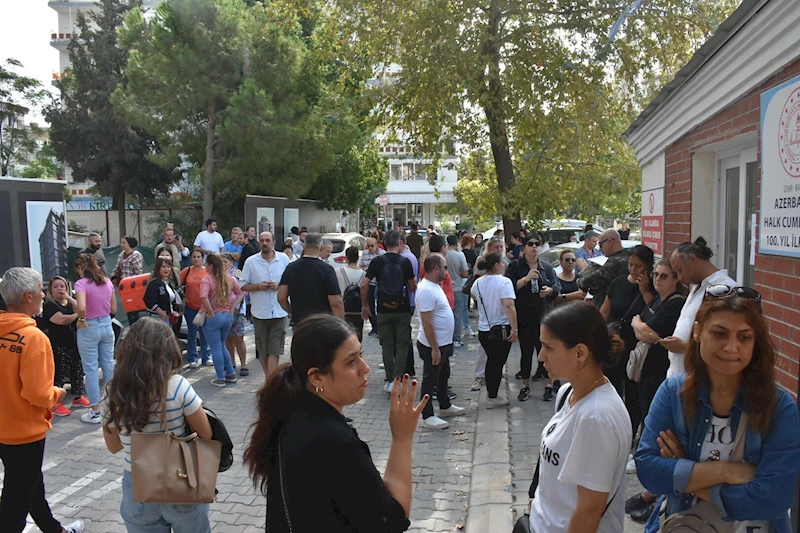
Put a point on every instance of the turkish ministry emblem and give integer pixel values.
(789, 134)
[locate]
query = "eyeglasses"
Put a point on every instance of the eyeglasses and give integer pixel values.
(605, 241)
(569, 259)
(532, 243)
(723, 291)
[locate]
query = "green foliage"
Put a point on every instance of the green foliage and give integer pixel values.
(78, 228)
(86, 130)
(188, 223)
(544, 86)
(355, 179)
(43, 167)
(18, 96)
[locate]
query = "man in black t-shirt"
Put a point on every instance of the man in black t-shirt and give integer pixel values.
(250, 246)
(310, 286)
(395, 277)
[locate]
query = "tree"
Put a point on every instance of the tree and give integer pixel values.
(43, 167)
(88, 133)
(355, 179)
(18, 96)
(547, 86)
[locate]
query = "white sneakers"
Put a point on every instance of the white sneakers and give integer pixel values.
(477, 384)
(91, 417)
(468, 332)
(630, 468)
(453, 410)
(434, 422)
(74, 527)
(387, 387)
(458, 344)
(496, 402)
(194, 364)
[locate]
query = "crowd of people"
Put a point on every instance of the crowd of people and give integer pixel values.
(660, 369)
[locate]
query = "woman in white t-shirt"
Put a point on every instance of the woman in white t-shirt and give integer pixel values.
(352, 275)
(497, 322)
(584, 447)
(147, 376)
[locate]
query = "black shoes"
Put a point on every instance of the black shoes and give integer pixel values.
(540, 374)
(524, 394)
(643, 515)
(639, 509)
(519, 375)
(634, 503)
(548, 394)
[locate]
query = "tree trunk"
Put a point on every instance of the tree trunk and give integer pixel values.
(208, 193)
(119, 199)
(497, 120)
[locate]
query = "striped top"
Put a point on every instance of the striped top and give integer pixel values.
(182, 401)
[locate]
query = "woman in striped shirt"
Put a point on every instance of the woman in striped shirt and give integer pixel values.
(147, 376)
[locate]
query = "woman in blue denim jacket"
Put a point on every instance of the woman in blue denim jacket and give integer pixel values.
(690, 429)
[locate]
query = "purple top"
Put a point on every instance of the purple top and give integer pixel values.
(412, 296)
(98, 297)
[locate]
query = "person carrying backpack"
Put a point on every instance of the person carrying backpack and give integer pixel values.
(395, 277)
(350, 277)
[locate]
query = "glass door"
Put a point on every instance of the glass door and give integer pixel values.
(737, 195)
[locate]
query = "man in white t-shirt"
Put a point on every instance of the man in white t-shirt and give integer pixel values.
(209, 241)
(692, 263)
(435, 341)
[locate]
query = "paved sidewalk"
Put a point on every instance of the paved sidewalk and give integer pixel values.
(469, 477)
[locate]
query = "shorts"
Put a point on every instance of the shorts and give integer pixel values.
(237, 328)
(270, 335)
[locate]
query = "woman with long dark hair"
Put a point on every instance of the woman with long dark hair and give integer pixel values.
(191, 277)
(315, 471)
(161, 297)
(60, 316)
(218, 292)
(96, 302)
(584, 447)
(691, 447)
(148, 378)
(129, 263)
(497, 323)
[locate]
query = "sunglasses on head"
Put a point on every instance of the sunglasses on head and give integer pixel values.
(532, 243)
(723, 291)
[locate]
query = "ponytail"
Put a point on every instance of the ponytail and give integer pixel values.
(314, 344)
(275, 401)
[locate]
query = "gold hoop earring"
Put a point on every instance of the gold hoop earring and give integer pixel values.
(318, 389)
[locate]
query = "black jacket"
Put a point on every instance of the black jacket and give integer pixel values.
(532, 305)
(157, 297)
(332, 485)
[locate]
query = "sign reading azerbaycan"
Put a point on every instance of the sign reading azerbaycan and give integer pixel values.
(779, 230)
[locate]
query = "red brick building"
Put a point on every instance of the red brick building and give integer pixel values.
(721, 142)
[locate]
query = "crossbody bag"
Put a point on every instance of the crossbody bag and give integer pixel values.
(501, 332)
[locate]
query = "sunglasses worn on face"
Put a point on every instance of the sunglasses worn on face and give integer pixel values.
(601, 243)
(663, 275)
(532, 243)
(723, 291)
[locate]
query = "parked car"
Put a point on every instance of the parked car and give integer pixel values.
(341, 241)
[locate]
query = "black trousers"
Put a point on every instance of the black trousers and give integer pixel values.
(68, 364)
(496, 357)
(629, 392)
(410, 361)
(435, 376)
(373, 318)
(23, 489)
(647, 391)
(528, 342)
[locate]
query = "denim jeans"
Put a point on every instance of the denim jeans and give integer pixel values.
(191, 337)
(96, 347)
(460, 298)
(216, 330)
(161, 517)
(464, 310)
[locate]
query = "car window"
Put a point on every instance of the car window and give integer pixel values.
(338, 246)
(359, 242)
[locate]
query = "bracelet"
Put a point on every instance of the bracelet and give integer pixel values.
(81, 320)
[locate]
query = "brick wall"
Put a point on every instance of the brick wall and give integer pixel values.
(777, 278)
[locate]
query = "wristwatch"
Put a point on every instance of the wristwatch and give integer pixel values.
(564, 297)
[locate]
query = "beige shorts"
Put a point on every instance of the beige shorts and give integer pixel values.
(270, 335)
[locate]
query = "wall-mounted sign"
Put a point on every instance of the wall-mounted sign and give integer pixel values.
(780, 170)
(653, 220)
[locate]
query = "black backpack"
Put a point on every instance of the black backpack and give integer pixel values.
(352, 295)
(392, 284)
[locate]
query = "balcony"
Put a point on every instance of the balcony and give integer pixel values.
(59, 41)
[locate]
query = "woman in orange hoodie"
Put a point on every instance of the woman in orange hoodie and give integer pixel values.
(26, 378)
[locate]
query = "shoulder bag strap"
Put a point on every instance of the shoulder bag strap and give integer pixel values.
(283, 486)
(535, 481)
(480, 297)
(737, 456)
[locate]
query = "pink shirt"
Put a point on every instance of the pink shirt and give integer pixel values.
(208, 289)
(98, 297)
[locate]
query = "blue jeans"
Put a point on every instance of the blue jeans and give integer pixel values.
(464, 309)
(161, 517)
(96, 347)
(216, 330)
(460, 300)
(191, 337)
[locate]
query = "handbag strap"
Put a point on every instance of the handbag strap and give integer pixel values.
(283, 486)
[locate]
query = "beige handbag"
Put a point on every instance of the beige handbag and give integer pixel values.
(199, 319)
(175, 470)
(703, 517)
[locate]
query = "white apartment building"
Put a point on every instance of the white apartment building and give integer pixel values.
(60, 36)
(411, 196)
